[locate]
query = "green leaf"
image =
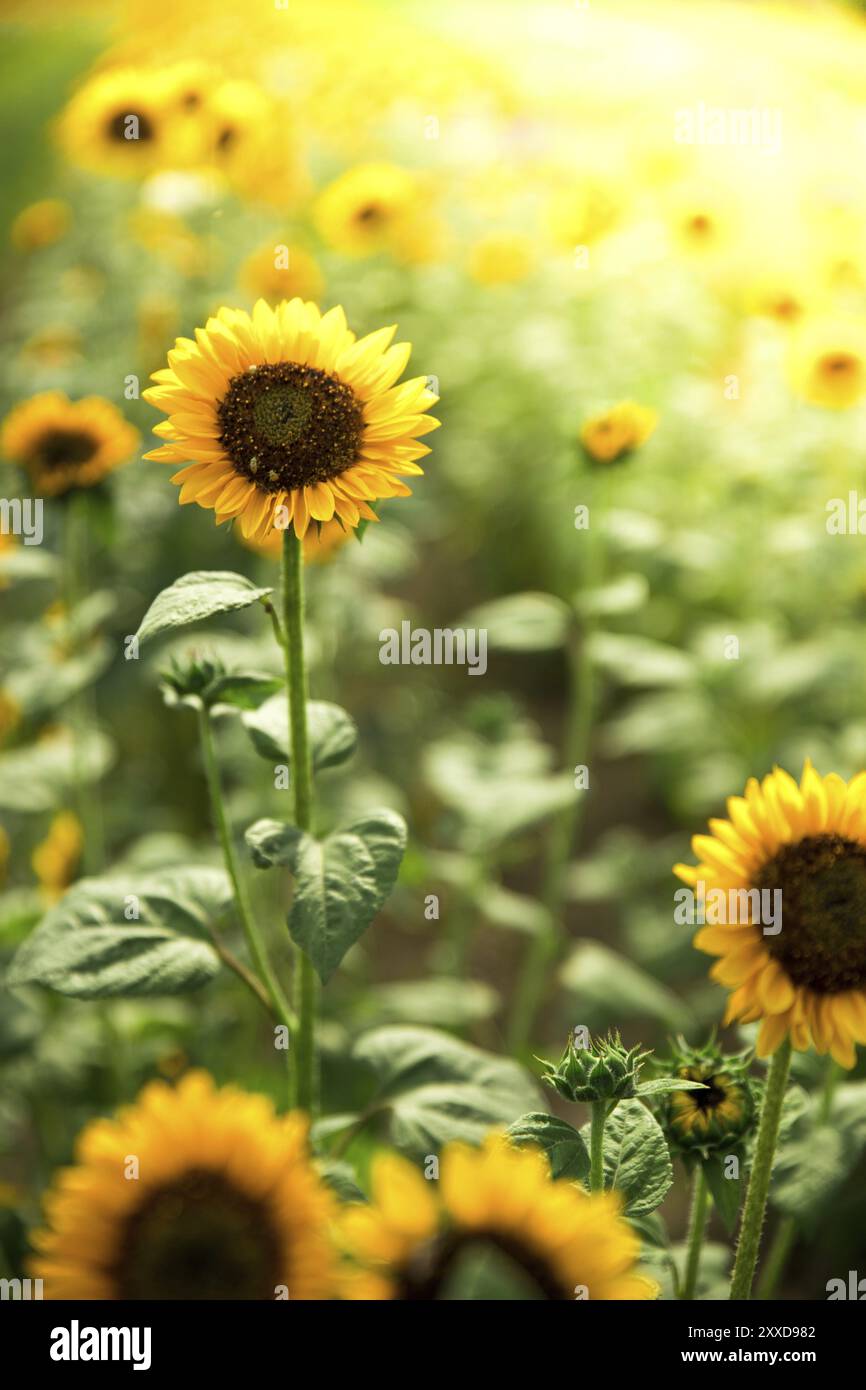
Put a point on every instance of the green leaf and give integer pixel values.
(640, 660)
(196, 596)
(433, 1088)
(624, 595)
(565, 1149)
(663, 1084)
(636, 1158)
(442, 1003)
(340, 882)
(42, 776)
(727, 1193)
(332, 733)
(601, 979)
(530, 622)
(244, 690)
(87, 947)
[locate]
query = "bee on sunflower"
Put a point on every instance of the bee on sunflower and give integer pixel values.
(64, 445)
(283, 418)
(225, 1203)
(408, 1242)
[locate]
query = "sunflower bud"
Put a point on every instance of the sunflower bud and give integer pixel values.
(190, 681)
(717, 1117)
(605, 1070)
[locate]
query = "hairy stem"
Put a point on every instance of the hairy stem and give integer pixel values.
(306, 984)
(759, 1179)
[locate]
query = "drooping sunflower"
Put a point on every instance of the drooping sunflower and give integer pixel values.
(807, 841)
(190, 1193)
(66, 444)
(616, 433)
(563, 1243)
(284, 418)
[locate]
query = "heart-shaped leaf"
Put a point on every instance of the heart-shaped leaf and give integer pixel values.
(196, 596)
(566, 1152)
(127, 936)
(332, 734)
(340, 882)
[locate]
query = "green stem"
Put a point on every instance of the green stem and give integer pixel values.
(831, 1080)
(83, 705)
(697, 1226)
(306, 985)
(780, 1249)
(596, 1146)
(759, 1179)
(563, 832)
(255, 943)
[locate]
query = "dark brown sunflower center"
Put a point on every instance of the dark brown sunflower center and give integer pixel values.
(715, 1094)
(840, 364)
(130, 126)
(822, 943)
(64, 449)
(285, 426)
(435, 1268)
(198, 1238)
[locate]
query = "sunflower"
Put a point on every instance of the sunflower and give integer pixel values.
(278, 271)
(617, 432)
(407, 1242)
(717, 1117)
(64, 444)
(807, 980)
(828, 362)
(501, 258)
(248, 141)
(372, 208)
(190, 1193)
(56, 858)
(283, 417)
(123, 121)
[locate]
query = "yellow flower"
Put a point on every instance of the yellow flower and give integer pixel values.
(41, 224)
(828, 362)
(372, 208)
(501, 258)
(807, 843)
(583, 212)
(285, 418)
(617, 432)
(56, 345)
(224, 1203)
(10, 710)
(278, 271)
(56, 859)
(247, 141)
(408, 1239)
(5, 851)
(123, 121)
(64, 444)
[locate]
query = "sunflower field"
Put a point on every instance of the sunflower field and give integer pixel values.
(432, 671)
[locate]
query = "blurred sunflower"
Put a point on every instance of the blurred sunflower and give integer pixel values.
(64, 444)
(807, 980)
(56, 859)
(122, 122)
(249, 141)
(828, 362)
(280, 271)
(406, 1242)
(372, 208)
(225, 1203)
(284, 417)
(41, 224)
(615, 433)
(501, 258)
